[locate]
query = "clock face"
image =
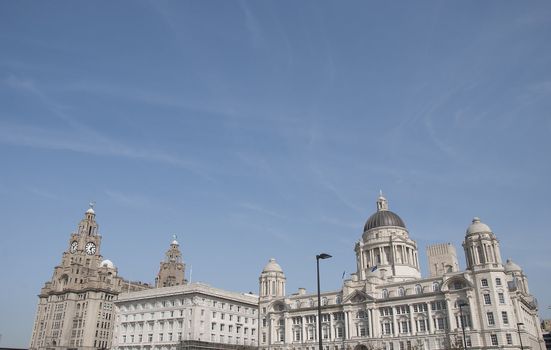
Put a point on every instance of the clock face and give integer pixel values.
(74, 246)
(90, 248)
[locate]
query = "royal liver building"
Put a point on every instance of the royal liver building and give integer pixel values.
(387, 305)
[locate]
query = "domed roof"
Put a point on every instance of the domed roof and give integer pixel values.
(272, 266)
(383, 217)
(107, 263)
(477, 227)
(511, 266)
(91, 209)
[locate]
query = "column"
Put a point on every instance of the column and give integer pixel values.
(429, 313)
(449, 313)
(346, 325)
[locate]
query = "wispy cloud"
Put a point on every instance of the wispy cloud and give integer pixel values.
(78, 137)
(259, 209)
(39, 192)
(252, 25)
(129, 200)
(331, 188)
(22, 135)
(341, 223)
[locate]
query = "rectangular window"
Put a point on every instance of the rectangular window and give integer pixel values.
(484, 282)
(504, 317)
(422, 326)
(490, 316)
(404, 327)
(509, 338)
(494, 339)
(501, 298)
(498, 281)
(487, 300)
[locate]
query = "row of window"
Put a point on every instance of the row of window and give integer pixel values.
(488, 299)
(401, 292)
(238, 328)
(484, 282)
(231, 317)
(492, 321)
(139, 338)
(182, 302)
(230, 340)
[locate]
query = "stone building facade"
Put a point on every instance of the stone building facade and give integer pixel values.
(162, 318)
(75, 308)
(387, 305)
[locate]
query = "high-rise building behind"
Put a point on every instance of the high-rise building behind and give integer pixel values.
(442, 259)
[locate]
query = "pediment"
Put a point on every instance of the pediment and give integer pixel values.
(357, 296)
(455, 283)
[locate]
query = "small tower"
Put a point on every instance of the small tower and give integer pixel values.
(442, 259)
(481, 246)
(272, 280)
(172, 269)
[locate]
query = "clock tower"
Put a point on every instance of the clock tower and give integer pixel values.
(172, 270)
(75, 308)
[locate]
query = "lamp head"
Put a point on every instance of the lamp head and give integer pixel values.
(323, 256)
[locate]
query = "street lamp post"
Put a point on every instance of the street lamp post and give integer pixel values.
(318, 257)
(463, 324)
(519, 335)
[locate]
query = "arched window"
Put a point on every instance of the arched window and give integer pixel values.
(385, 293)
(436, 287)
(418, 289)
(401, 292)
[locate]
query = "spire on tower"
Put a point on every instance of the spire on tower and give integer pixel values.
(382, 203)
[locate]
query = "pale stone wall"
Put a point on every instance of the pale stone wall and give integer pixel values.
(162, 317)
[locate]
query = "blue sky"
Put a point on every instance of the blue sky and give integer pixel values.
(260, 129)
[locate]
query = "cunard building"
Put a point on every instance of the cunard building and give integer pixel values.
(387, 305)
(75, 308)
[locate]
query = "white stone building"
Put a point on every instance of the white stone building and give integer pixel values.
(387, 305)
(158, 319)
